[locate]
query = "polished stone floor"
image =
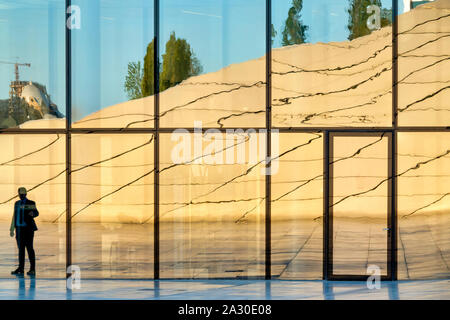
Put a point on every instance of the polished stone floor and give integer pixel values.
(234, 251)
(41, 289)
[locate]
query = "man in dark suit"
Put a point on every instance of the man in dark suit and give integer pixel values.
(23, 223)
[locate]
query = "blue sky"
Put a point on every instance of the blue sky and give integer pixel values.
(115, 32)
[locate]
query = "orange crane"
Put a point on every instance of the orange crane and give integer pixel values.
(16, 86)
(16, 67)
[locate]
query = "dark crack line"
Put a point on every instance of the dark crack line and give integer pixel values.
(373, 101)
(115, 156)
(113, 192)
(426, 206)
(417, 166)
(116, 116)
(36, 186)
(31, 153)
(241, 219)
(353, 87)
(373, 56)
(404, 251)
(219, 121)
(258, 83)
(359, 150)
(424, 44)
(437, 246)
(431, 95)
(299, 250)
(424, 22)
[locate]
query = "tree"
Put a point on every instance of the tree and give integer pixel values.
(147, 82)
(358, 17)
(133, 80)
(179, 62)
(294, 31)
(274, 33)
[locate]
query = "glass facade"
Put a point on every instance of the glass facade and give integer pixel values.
(228, 139)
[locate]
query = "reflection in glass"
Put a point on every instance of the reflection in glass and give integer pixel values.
(297, 207)
(424, 64)
(331, 64)
(112, 205)
(212, 205)
(359, 203)
(219, 75)
(36, 162)
(423, 205)
(108, 53)
(32, 65)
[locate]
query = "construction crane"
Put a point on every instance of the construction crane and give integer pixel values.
(16, 67)
(15, 88)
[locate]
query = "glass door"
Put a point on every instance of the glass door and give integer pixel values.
(359, 205)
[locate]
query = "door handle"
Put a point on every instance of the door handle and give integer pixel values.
(386, 229)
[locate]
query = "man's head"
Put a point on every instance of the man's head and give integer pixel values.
(22, 193)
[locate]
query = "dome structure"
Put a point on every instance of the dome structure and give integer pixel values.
(35, 97)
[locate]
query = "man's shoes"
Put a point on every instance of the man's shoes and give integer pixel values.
(17, 272)
(31, 273)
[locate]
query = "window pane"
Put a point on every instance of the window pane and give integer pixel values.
(424, 64)
(36, 162)
(212, 205)
(112, 205)
(331, 64)
(359, 177)
(222, 83)
(297, 207)
(32, 64)
(423, 205)
(108, 52)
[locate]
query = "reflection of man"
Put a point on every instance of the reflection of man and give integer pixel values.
(23, 222)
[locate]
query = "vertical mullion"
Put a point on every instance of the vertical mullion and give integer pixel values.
(156, 139)
(326, 222)
(393, 151)
(268, 218)
(68, 57)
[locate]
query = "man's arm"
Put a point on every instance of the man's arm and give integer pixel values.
(34, 211)
(13, 223)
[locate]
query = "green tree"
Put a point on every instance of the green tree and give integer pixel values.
(358, 16)
(179, 62)
(147, 87)
(274, 34)
(133, 80)
(294, 31)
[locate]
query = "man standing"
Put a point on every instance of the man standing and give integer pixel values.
(23, 222)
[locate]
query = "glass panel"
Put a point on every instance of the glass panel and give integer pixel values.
(108, 55)
(331, 63)
(359, 203)
(219, 77)
(32, 64)
(36, 162)
(423, 205)
(112, 205)
(297, 207)
(212, 205)
(424, 61)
